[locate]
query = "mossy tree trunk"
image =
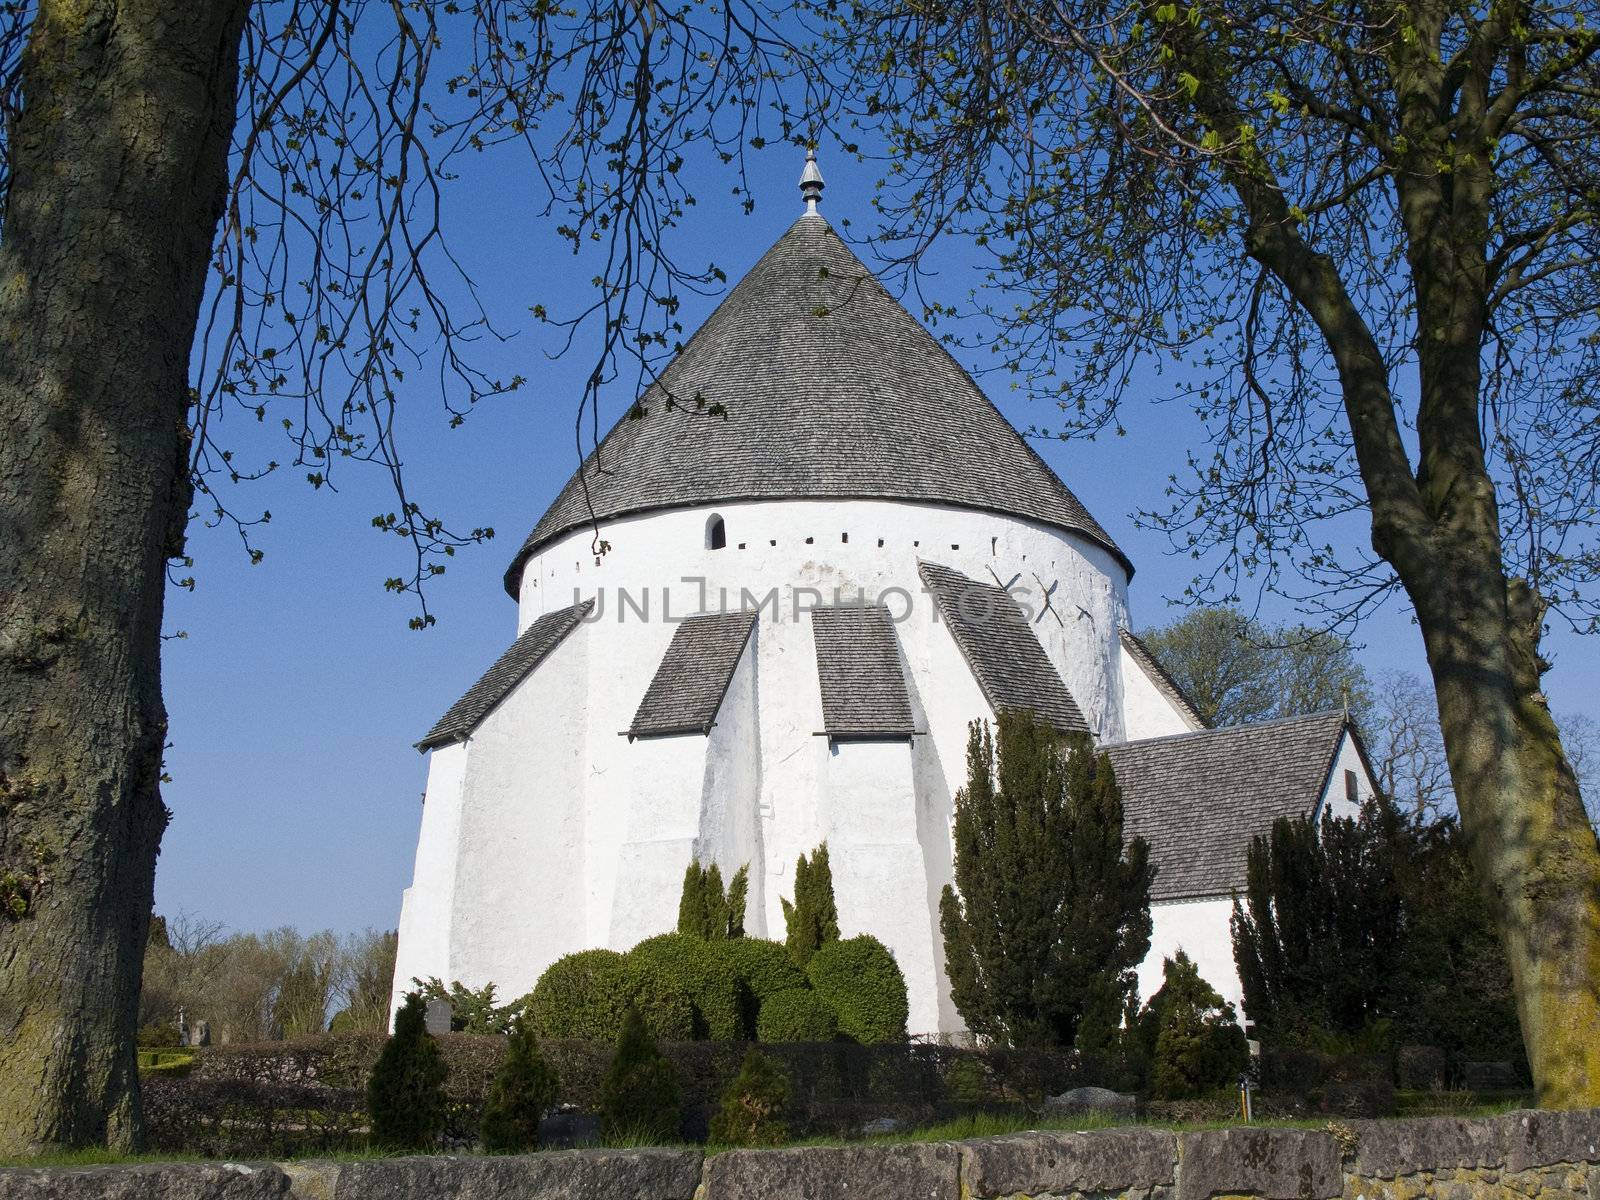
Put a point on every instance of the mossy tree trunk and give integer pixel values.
(1438, 524)
(119, 172)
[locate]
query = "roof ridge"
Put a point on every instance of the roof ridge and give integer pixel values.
(1218, 730)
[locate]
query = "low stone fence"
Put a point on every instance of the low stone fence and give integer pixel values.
(1543, 1155)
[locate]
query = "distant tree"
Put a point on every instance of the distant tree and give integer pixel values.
(705, 910)
(523, 1089)
(405, 1092)
(1235, 668)
(812, 920)
(752, 1107)
(1319, 928)
(639, 1096)
(1050, 912)
(1406, 747)
(1189, 1035)
(366, 977)
(306, 989)
(1580, 733)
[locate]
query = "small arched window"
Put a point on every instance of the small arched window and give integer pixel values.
(716, 533)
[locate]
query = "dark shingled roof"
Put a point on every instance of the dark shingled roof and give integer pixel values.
(1165, 684)
(526, 653)
(1001, 648)
(1198, 798)
(858, 667)
(832, 390)
(694, 675)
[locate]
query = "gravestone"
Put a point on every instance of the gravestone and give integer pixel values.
(437, 1019)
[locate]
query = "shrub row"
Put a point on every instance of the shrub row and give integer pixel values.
(688, 988)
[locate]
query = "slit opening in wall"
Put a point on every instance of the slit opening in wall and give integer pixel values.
(716, 533)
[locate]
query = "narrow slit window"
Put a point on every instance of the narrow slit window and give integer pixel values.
(716, 533)
(1350, 790)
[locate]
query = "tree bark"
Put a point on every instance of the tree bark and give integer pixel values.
(119, 161)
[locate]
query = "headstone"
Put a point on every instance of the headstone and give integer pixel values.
(1489, 1076)
(437, 1019)
(200, 1035)
(1092, 1099)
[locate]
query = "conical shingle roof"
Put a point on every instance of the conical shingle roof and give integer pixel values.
(832, 391)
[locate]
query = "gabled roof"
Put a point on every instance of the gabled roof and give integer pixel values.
(495, 684)
(1000, 646)
(832, 390)
(1198, 798)
(858, 669)
(1164, 683)
(693, 677)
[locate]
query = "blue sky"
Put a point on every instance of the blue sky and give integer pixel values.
(298, 690)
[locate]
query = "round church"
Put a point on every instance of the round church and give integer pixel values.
(763, 615)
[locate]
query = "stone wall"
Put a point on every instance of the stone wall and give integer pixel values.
(1537, 1155)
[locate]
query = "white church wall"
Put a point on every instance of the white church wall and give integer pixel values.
(645, 804)
(879, 876)
(1335, 797)
(520, 862)
(425, 906)
(1200, 929)
(1146, 710)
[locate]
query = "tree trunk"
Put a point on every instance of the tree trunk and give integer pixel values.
(119, 171)
(1533, 848)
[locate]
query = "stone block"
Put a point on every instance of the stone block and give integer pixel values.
(550, 1175)
(436, 1017)
(146, 1181)
(1543, 1138)
(1112, 1160)
(906, 1172)
(1274, 1164)
(1390, 1149)
(1092, 1099)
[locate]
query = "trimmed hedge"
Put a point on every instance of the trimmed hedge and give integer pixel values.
(704, 972)
(764, 967)
(796, 1015)
(585, 995)
(860, 980)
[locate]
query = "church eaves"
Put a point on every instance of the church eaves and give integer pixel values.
(1198, 798)
(823, 387)
(687, 690)
(510, 669)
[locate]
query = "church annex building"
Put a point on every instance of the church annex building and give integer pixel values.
(803, 605)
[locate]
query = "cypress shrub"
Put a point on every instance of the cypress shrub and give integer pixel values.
(813, 919)
(1193, 1042)
(861, 982)
(705, 910)
(752, 1107)
(523, 1088)
(796, 1015)
(691, 966)
(405, 1092)
(639, 1095)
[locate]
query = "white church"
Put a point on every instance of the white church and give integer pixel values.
(826, 553)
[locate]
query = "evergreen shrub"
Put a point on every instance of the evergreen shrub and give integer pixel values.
(405, 1092)
(1190, 1035)
(752, 1107)
(585, 995)
(796, 1015)
(862, 983)
(639, 1095)
(681, 964)
(523, 1088)
(812, 920)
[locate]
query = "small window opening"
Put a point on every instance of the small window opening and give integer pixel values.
(915, 544)
(773, 542)
(1350, 792)
(994, 545)
(741, 545)
(844, 537)
(810, 540)
(880, 543)
(716, 533)
(955, 545)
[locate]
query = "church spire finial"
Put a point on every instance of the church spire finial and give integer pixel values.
(811, 183)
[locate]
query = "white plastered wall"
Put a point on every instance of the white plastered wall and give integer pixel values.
(425, 907)
(1147, 711)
